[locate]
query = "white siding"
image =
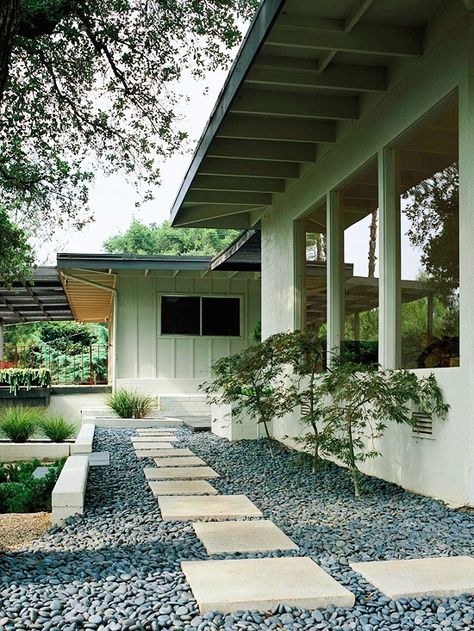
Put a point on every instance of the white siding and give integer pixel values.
(175, 364)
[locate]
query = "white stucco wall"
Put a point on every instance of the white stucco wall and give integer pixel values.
(166, 364)
(441, 467)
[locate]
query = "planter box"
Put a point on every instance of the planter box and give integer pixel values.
(226, 424)
(15, 452)
(36, 396)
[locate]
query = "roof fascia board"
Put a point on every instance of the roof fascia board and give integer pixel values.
(261, 25)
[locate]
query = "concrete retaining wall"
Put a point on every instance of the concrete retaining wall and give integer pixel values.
(70, 489)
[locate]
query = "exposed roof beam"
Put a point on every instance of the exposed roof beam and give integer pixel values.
(356, 12)
(381, 39)
(262, 150)
(30, 292)
(278, 128)
(196, 214)
(223, 183)
(243, 198)
(216, 166)
(7, 306)
(278, 71)
(273, 103)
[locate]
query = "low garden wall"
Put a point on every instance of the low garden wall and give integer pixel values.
(69, 492)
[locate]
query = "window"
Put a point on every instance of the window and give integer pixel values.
(195, 315)
(429, 206)
(180, 315)
(359, 205)
(221, 316)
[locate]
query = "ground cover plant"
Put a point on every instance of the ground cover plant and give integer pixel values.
(57, 429)
(19, 422)
(128, 404)
(20, 492)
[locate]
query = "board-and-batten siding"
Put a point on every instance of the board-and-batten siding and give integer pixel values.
(142, 353)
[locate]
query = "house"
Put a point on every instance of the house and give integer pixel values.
(344, 134)
(169, 319)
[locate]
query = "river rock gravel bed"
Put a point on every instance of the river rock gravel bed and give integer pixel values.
(118, 566)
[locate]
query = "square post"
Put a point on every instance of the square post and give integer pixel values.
(335, 272)
(390, 260)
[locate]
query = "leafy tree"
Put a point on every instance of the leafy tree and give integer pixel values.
(253, 382)
(16, 258)
(355, 402)
(163, 239)
(94, 83)
(433, 211)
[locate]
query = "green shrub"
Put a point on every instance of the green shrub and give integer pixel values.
(26, 377)
(57, 429)
(130, 404)
(20, 492)
(19, 423)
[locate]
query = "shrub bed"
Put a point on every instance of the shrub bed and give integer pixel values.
(28, 378)
(20, 492)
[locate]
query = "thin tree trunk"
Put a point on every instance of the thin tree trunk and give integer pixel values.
(352, 460)
(9, 16)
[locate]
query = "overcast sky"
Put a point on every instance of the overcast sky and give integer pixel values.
(112, 199)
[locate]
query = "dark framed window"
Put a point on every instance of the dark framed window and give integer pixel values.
(196, 315)
(180, 315)
(221, 316)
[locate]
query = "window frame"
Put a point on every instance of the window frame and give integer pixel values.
(239, 297)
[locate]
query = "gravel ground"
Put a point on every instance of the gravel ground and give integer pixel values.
(17, 529)
(118, 567)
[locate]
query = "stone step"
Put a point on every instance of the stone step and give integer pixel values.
(217, 508)
(153, 453)
(440, 577)
(262, 584)
(172, 453)
(180, 473)
(242, 536)
(186, 461)
(133, 423)
(157, 432)
(181, 487)
(153, 441)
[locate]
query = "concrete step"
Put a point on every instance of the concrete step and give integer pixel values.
(262, 584)
(217, 508)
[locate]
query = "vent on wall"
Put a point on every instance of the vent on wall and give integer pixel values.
(423, 427)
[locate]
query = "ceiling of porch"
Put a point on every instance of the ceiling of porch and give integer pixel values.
(306, 72)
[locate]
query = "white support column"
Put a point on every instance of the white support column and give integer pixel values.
(390, 265)
(335, 272)
(299, 257)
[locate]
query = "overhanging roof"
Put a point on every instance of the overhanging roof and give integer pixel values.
(40, 300)
(244, 254)
(112, 262)
(306, 72)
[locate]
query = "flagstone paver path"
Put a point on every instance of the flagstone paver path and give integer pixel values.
(180, 473)
(118, 567)
(184, 461)
(181, 487)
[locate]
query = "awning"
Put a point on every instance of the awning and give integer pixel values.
(306, 72)
(43, 298)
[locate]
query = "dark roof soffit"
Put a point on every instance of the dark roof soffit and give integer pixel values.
(263, 21)
(126, 261)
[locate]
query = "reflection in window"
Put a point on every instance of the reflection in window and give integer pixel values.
(429, 179)
(315, 272)
(195, 315)
(359, 199)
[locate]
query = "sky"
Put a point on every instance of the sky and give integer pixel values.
(112, 198)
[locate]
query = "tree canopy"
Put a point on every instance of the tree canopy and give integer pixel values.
(16, 255)
(163, 239)
(94, 84)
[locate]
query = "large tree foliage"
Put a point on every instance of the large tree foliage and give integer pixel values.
(16, 256)
(433, 211)
(163, 239)
(95, 82)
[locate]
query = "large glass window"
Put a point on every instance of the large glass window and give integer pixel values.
(195, 315)
(429, 180)
(359, 201)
